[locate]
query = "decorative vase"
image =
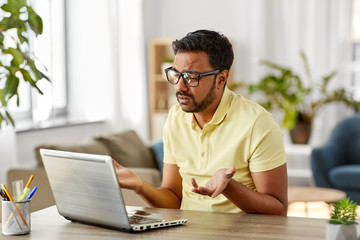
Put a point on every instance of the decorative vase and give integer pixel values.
(341, 232)
(300, 134)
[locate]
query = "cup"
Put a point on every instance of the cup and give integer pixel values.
(16, 217)
(17, 187)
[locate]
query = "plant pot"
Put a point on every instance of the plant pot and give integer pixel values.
(300, 134)
(341, 232)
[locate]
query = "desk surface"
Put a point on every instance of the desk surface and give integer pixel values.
(48, 224)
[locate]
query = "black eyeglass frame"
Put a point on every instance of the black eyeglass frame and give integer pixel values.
(199, 75)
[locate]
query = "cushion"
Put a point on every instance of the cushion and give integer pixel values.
(158, 149)
(92, 147)
(128, 149)
(346, 177)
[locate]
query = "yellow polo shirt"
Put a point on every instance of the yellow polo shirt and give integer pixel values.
(241, 133)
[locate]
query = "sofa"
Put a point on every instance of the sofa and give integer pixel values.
(124, 147)
(336, 164)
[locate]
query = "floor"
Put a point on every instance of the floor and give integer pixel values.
(312, 210)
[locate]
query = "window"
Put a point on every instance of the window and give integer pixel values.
(50, 49)
(356, 58)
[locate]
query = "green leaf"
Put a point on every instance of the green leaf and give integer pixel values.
(326, 81)
(42, 75)
(11, 87)
(21, 36)
(29, 79)
(14, 22)
(1, 119)
(37, 73)
(306, 66)
(1, 39)
(18, 4)
(10, 8)
(2, 98)
(10, 118)
(35, 21)
(17, 56)
(4, 24)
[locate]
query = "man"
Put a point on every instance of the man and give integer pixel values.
(222, 152)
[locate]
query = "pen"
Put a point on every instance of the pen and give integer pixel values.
(3, 195)
(15, 207)
(32, 193)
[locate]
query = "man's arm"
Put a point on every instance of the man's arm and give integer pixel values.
(169, 195)
(270, 196)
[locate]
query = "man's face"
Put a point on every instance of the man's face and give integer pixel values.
(194, 99)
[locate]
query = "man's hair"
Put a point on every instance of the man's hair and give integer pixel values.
(216, 45)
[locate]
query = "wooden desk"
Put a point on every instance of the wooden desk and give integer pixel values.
(48, 224)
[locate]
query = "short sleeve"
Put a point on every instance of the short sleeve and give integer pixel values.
(168, 157)
(267, 147)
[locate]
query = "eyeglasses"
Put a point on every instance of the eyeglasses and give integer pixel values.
(190, 78)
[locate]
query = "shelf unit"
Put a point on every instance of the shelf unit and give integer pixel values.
(161, 93)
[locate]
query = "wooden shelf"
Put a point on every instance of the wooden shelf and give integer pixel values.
(159, 89)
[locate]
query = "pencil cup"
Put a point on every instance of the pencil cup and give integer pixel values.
(16, 217)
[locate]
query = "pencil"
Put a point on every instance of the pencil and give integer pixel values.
(15, 207)
(30, 179)
(7, 193)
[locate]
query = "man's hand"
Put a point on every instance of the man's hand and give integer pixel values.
(217, 184)
(127, 178)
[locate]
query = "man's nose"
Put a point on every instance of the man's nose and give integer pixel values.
(181, 85)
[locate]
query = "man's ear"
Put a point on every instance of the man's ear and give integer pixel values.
(222, 77)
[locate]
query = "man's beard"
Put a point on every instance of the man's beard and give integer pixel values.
(199, 107)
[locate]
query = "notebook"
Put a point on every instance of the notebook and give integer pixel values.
(86, 190)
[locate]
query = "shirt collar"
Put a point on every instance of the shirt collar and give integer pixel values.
(220, 112)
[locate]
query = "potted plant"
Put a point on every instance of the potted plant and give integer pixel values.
(285, 90)
(342, 224)
(19, 23)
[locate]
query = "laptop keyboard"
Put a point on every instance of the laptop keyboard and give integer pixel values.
(143, 220)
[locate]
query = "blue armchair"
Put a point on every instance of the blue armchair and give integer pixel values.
(337, 163)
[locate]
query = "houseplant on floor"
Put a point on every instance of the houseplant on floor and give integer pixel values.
(284, 90)
(19, 23)
(342, 225)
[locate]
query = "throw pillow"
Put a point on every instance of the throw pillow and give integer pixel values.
(158, 148)
(128, 149)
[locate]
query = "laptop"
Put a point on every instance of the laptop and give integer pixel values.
(86, 190)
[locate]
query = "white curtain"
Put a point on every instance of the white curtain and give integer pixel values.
(280, 29)
(129, 65)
